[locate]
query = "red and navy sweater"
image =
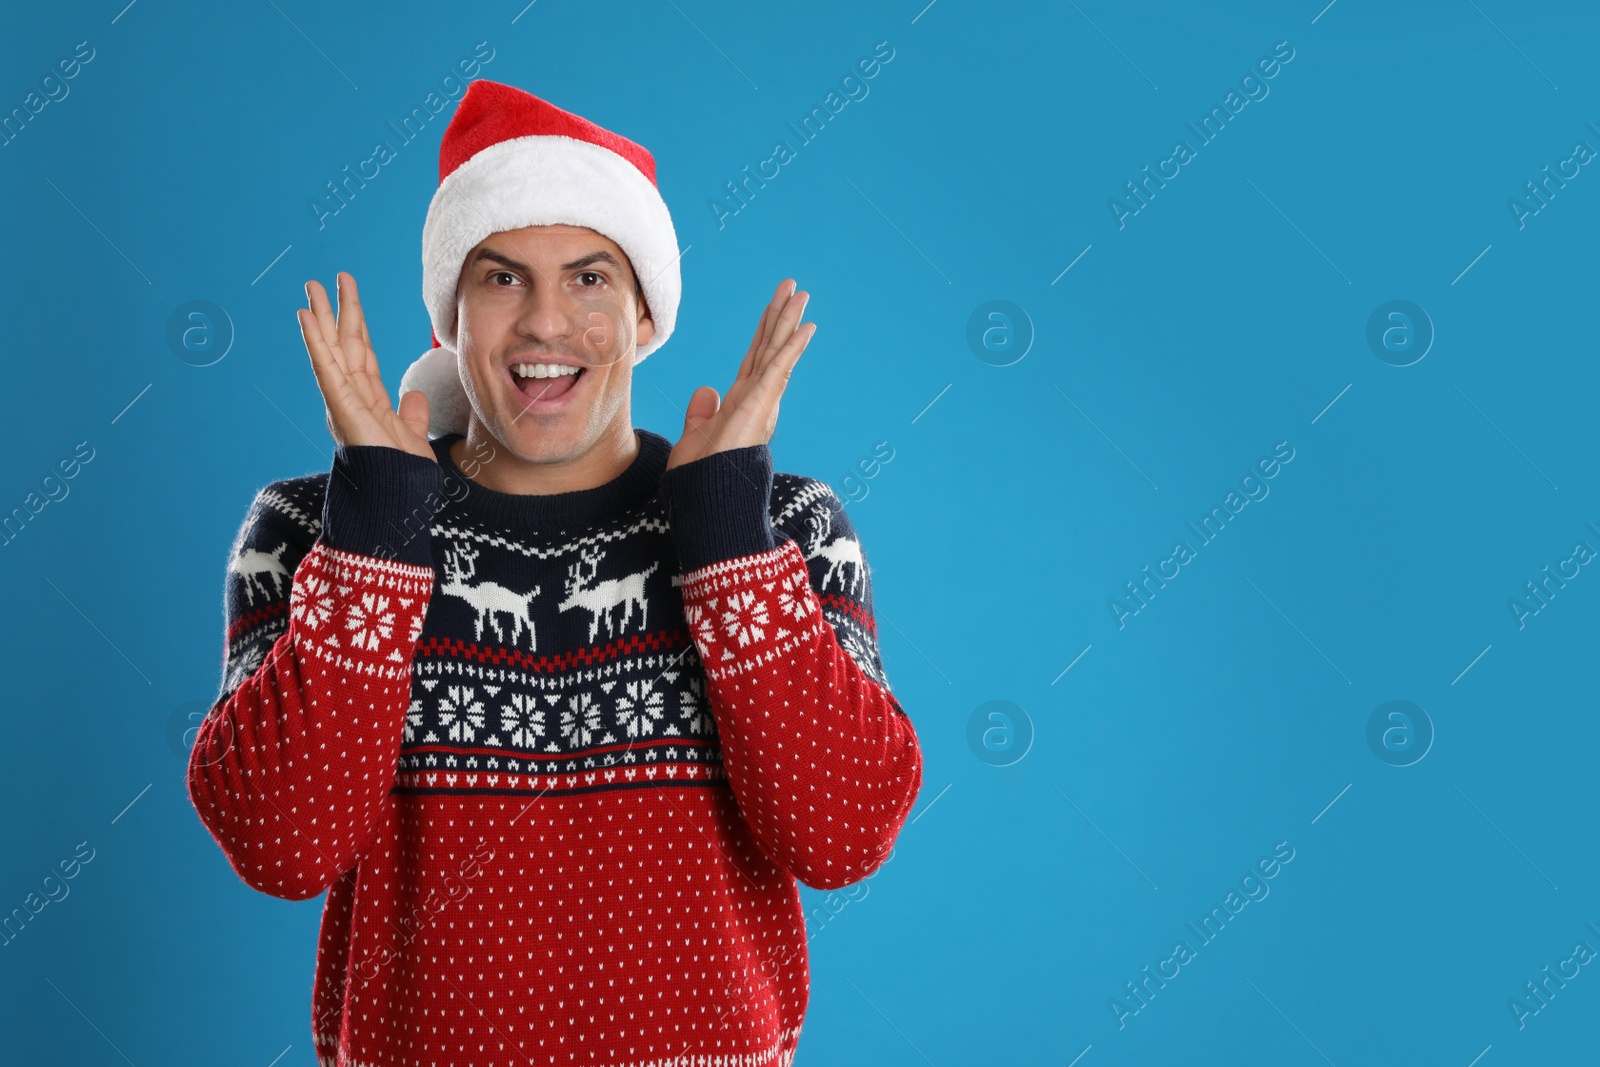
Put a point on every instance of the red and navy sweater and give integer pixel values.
(558, 760)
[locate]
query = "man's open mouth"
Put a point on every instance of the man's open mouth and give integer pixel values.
(545, 381)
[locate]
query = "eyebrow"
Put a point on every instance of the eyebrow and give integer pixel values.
(601, 256)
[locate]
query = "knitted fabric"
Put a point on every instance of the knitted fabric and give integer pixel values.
(558, 761)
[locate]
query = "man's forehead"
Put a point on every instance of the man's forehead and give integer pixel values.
(561, 241)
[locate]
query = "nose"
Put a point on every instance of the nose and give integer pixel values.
(547, 314)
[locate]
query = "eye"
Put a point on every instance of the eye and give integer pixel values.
(501, 274)
(599, 279)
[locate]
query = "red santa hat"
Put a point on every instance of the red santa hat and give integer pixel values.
(508, 160)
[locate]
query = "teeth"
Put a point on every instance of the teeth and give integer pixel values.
(542, 370)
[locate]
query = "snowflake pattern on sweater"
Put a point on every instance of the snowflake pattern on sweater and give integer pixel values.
(558, 761)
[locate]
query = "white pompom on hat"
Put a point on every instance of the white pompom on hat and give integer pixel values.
(508, 160)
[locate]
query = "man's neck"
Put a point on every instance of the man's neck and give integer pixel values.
(487, 461)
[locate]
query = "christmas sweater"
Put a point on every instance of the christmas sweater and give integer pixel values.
(559, 761)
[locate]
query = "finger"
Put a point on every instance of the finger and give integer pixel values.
(327, 325)
(361, 362)
(750, 416)
(769, 325)
(350, 419)
(371, 357)
(330, 376)
(702, 405)
(349, 320)
(768, 313)
(347, 406)
(323, 365)
(774, 375)
(783, 331)
(780, 297)
(702, 408)
(764, 328)
(346, 355)
(342, 337)
(368, 359)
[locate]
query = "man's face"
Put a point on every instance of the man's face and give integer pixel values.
(555, 296)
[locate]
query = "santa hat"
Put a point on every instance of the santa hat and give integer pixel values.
(508, 160)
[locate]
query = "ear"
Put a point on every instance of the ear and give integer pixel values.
(646, 330)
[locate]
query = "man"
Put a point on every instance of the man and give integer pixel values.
(556, 711)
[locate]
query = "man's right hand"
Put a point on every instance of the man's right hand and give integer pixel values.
(359, 412)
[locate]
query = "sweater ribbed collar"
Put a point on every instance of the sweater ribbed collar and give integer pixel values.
(574, 510)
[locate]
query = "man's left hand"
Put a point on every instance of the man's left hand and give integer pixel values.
(749, 413)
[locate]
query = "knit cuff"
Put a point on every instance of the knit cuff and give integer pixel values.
(380, 503)
(720, 506)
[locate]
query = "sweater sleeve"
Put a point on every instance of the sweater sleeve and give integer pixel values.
(293, 764)
(822, 759)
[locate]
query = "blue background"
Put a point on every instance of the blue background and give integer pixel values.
(1228, 314)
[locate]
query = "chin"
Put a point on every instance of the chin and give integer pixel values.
(542, 440)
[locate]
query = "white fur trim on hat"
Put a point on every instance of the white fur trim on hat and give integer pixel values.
(437, 374)
(542, 181)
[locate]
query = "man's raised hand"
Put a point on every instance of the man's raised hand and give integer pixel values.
(749, 413)
(359, 412)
